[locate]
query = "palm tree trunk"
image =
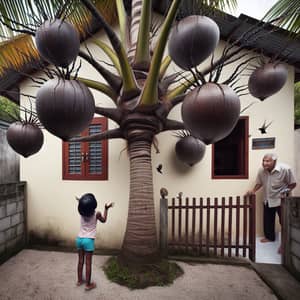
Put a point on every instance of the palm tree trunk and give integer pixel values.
(140, 242)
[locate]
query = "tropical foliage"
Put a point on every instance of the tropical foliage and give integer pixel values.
(288, 12)
(33, 12)
(8, 110)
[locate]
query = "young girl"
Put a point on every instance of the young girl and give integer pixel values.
(87, 234)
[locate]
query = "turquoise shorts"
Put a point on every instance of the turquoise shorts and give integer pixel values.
(86, 244)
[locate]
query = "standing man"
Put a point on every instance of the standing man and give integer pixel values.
(275, 178)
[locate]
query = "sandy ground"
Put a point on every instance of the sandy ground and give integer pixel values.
(52, 275)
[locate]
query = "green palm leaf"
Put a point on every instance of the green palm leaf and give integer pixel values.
(29, 11)
(289, 10)
(221, 4)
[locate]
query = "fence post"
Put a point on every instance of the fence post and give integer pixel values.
(252, 227)
(163, 227)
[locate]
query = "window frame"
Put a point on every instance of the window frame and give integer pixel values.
(246, 142)
(84, 148)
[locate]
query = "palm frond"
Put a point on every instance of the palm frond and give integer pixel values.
(34, 12)
(16, 53)
(17, 49)
(205, 7)
(289, 13)
(220, 4)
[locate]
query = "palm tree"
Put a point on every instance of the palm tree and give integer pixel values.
(144, 96)
(289, 13)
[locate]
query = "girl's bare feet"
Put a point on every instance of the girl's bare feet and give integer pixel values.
(90, 286)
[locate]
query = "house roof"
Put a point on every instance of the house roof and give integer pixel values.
(275, 41)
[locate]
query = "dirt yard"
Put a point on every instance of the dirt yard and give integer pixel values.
(52, 275)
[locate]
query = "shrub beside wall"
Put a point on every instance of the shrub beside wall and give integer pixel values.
(9, 160)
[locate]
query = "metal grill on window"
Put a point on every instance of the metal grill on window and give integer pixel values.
(95, 151)
(74, 158)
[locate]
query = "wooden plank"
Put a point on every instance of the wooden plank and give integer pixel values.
(163, 227)
(179, 219)
(186, 224)
(200, 225)
(215, 226)
(173, 220)
(252, 228)
(245, 222)
(230, 226)
(207, 225)
(237, 234)
(194, 223)
(222, 225)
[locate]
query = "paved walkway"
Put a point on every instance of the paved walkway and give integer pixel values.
(268, 252)
(280, 280)
(36, 274)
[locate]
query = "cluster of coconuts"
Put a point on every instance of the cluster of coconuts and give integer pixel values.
(64, 107)
(211, 111)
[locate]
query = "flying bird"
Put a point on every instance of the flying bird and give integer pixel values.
(263, 128)
(159, 168)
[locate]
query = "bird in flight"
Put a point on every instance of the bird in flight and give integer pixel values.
(263, 128)
(159, 168)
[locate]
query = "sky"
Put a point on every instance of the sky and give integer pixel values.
(253, 8)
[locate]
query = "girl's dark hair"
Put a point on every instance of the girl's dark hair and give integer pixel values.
(87, 205)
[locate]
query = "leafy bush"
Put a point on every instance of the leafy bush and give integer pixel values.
(8, 110)
(297, 104)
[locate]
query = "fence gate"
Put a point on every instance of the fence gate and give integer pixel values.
(208, 227)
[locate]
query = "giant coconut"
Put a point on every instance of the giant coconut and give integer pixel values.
(57, 42)
(65, 107)
(192, 40)
(267, 80)
(210, 112)
(190, 150)
(25, 138)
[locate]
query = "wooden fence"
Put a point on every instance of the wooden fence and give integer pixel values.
(290, 208)
(211, 227)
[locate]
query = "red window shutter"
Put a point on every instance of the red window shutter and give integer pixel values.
(72, 160)
(87, 160)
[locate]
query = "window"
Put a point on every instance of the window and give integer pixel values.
(87, 160)
(230, 155)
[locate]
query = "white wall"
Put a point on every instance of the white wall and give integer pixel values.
(52, 208)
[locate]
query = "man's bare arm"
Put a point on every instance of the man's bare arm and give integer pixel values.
(255, 189)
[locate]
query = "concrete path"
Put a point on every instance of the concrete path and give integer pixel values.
(280, 280)
(33, 274)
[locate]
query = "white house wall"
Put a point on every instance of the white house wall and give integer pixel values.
(52, 208)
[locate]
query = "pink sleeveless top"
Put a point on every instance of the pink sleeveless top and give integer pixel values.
(88, 227)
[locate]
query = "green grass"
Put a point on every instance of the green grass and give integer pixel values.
(139, 277)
